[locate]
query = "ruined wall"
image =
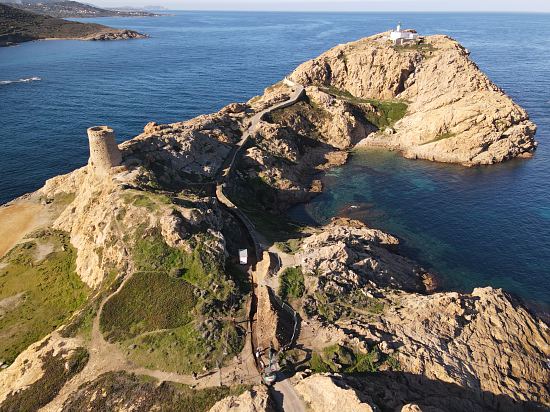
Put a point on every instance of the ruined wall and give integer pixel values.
(104, 152)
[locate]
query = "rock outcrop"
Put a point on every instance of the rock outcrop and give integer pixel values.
(114, 34)
(482, 342)
(454, 112)
(323, 393)
(256, 399)
(346, 255)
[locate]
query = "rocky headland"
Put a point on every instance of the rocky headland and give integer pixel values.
(134, 259)
(454, 113)
(72, 9)
(18, 26)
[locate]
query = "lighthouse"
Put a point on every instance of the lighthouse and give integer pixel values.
(400, 37)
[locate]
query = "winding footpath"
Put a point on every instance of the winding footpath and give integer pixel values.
(284, 394)
(107, 357)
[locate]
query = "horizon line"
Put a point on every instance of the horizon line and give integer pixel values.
(339, 11)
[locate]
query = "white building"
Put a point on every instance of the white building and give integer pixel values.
(399, 36)
(243, 256)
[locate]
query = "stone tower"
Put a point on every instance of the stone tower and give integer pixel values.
(104, 152)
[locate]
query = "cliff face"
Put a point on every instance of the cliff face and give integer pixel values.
(454, 112)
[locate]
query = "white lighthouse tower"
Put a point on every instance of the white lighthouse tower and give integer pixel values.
(399, 36)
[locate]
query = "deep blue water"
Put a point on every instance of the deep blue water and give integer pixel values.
(475, 227)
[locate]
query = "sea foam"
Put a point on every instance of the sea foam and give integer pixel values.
(27, 80)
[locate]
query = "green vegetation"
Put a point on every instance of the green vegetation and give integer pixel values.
(152, 254)
(421, 47)
(147, 302)
(239, 276)
(327, 307)
(273, 226)
(184, 349)
(41, 292)
(161, 311)
(291, 246)
(337, 358)
(387, 113)
(306, 110)
(292, 283)
(199, 268)
(60, 199)
(123, 391)
(333, 307)
(358, 300)
(148, 200)
(292, 358)
(57, 371)
(393, 363)
(18, 26)
(81, 323)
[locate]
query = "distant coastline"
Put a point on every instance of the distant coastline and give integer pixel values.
(72, 9)
(19, 26)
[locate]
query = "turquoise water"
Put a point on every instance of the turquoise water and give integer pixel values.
(483, 226)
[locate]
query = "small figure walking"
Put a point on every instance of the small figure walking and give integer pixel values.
(195, 376)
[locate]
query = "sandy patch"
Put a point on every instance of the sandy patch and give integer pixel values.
(43, 250)
(16, 220)
(10, 303)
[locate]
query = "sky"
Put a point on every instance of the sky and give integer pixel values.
(339, 5)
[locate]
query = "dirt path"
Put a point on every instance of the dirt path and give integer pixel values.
(106, 357)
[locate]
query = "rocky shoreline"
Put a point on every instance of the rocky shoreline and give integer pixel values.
(145, 220)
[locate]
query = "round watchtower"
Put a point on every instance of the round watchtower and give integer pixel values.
(104, 152)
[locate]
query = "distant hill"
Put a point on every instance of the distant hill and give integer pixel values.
(68, 9)
(17, 26)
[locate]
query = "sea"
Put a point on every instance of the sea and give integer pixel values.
(472, 227)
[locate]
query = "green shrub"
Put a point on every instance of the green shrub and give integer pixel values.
(291, 246)
(292, 283)
(317, 365)
(393, 363)
(388, 112)
(183, 349)
(338, 358)
(151, 253)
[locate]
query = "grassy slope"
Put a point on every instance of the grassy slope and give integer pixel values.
(157, 313)
(121, 391)
(51, 291)
(389, 111)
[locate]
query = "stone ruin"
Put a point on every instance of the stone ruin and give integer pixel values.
(104, 152)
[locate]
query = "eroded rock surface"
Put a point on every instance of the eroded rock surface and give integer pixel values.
(256, 399)
(327, 394)
(482, 342)
(455, 113)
